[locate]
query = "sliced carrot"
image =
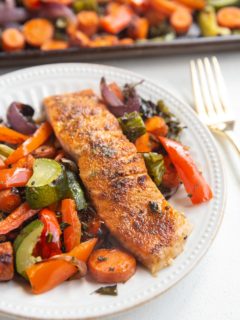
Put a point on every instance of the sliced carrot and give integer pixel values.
(72, 233)
(229, 17)
(14, 177)
(194, 4)
(117, 20)
(32, 143)
(37, 31)
(157, 126)
(181, 20)
(88, 22)
(15, 219)
(164, 6)
(116, 90)
(111, 265)
(25, 162)
(32, 4)
(12, 40)
(146, 143)
(54, 45)
(47, 275)
(11, 136)
(9, 200)
(138, 28)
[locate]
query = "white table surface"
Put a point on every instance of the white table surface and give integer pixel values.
(212, 290)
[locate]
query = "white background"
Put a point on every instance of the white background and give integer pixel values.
(212, 290)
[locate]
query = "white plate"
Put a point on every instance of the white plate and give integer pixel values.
(73, 299)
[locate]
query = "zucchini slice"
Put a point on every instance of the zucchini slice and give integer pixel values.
(47, 185)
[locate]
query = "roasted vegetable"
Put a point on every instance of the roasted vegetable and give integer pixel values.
(19, 116)
(14, 177)
(132, 125)
(223, 3)
(47, 275)
(111, 265)
(5, 150)
(50, 243)
(80, 5)
(208, 23)
(155, 165)
(8, 135)
(25, 244)
(47, 185)
(15, 219)
(75, 191)
(72, 233)
(6, 261)
(32, 143)
(196, 186)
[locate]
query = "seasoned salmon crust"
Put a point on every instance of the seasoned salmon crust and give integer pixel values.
(116, 179)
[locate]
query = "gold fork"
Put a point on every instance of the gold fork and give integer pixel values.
(210, 97)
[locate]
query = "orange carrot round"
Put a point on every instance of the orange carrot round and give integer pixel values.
(88, 22)
(12, 40)
(229, 17)
(38, 31)
(111, 265)
(164, 6)
(54, 45)
(157, 126)
(181, 20)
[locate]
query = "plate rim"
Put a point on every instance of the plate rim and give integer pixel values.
(58, 67)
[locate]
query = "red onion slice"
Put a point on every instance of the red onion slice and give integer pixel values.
(12, 14)
(19, 117)
(56, 10)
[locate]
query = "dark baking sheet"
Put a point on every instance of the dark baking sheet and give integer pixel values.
(177, 46)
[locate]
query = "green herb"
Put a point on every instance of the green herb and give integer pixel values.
(64, 225)
(101, 258)
(155, 165)
(108, 290)
(49, 237)
(132, 125)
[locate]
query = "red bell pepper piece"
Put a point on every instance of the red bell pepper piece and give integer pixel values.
(16, 218)
(11, 136)
(14, 177)
(72, 233)
(32, 143)
(194, 182)
(50, 243)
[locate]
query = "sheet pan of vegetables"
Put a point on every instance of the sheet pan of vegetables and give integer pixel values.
(49, 230)
(92, 29)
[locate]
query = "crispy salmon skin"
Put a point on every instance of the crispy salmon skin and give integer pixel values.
(116, 179)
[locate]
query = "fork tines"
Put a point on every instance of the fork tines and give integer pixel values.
(209, 91)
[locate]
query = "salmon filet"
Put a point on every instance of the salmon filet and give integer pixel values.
(116, 179)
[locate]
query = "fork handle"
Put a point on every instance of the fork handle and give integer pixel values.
(233, 139)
